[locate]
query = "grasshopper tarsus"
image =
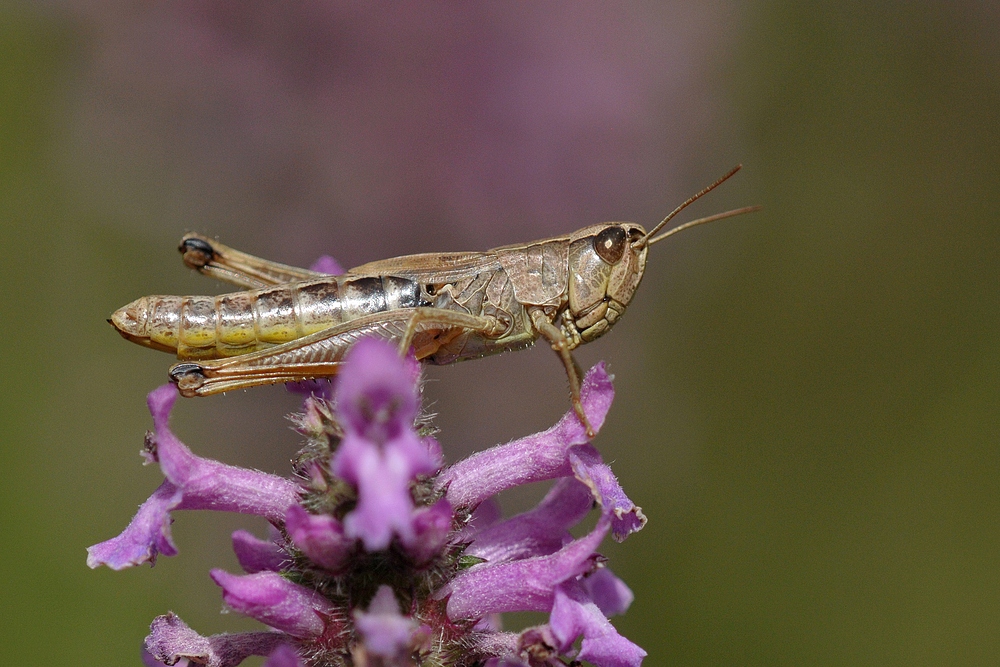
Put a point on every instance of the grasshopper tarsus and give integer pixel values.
(188, 377)
(196, 251)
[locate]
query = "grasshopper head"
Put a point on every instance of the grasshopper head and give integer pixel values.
(606, 262)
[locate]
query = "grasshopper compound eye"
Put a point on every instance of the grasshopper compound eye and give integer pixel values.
(610, 244)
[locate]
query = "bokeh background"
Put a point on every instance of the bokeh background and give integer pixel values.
(808, 401)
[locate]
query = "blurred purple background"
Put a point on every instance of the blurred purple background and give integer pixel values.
(308, 125)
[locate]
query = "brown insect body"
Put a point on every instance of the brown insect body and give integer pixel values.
(291, 324)
(500, 285)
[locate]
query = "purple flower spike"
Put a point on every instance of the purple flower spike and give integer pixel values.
(521, 585)
(172, 642)
(257, 555)
(573, 615)
(386, 632)
(320, 537)
(328, 265)
(534, 458)
(276, 602)
(284, 656)
(458, 562)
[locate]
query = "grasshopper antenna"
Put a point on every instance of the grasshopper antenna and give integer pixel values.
(648, 238)
(701, 221)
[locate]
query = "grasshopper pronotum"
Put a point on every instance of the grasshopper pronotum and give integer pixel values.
(291, 324)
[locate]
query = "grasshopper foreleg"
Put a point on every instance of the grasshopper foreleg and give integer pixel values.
(563, 346)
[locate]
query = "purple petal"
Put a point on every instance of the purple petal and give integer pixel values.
(626, 516)
(328, 265)
(431, 528)
(146, 536)
(386, 632)
(538, 532)
(572, 616)
(170, 640)
(207, 484)
(382, 478)
(192, 483)
(532, 459)
(284, 656)
(521, 585)
(406, 455)
(608, 592)
(320, 537)
(377, 391)
(275, 601)
(257, 555)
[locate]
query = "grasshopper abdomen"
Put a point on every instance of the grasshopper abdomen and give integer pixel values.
(206, 327)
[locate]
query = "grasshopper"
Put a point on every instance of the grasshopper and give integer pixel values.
(290, 324)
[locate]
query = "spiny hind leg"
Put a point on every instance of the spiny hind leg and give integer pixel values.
(194, 379)
(215, 260)
(563, 346)
(319, 354)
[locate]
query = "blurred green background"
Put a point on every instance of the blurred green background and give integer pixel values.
(808, 401)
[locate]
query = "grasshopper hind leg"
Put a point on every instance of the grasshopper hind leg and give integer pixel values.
(211, 258)
(321, 354)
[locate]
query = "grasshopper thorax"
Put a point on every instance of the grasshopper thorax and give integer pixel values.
(605, 267)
